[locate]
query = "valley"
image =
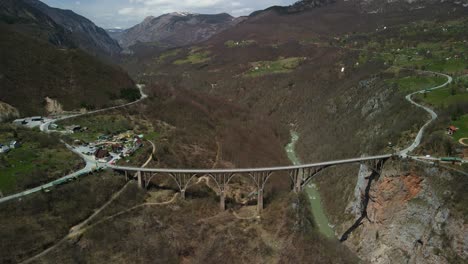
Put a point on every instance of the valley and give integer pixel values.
(321, 132)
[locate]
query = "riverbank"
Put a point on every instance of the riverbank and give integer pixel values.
(312, 192)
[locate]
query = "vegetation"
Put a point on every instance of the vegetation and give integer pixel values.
(417, 82)
(39, 220)
(282, 65)
(239, 44)
(443, 48)
(462, 125)
(451, 95)
(41, 158)
(130, 94)
(32, 70)
(168, 54)
(195, 57)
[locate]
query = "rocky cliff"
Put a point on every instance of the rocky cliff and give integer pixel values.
(176, 29)
(415, 214)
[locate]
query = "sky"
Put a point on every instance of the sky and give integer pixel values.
(127, 13)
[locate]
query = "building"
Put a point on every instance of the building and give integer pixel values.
(37, 119)
(4, 149)
(14, 144)
(73, 128)
(451, 130)
(117, 148)
(101, 154)
(20, 122)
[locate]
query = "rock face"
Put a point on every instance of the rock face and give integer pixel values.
(53, 106)
(59, 27)
(7, 112)
(176, 29)
(408, 221)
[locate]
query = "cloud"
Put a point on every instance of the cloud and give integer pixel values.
(126, 13)
(244, 10)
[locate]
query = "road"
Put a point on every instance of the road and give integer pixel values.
(409, 98)
(91, 164)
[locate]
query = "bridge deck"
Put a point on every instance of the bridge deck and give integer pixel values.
(246, 170)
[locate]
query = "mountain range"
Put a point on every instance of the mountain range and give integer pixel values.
(175, 29)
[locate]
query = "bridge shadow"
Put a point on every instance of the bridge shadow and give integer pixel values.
(374, 176)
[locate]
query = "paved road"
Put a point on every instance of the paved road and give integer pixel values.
(409, 97)
(91, 164)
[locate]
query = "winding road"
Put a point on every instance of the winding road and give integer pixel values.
(92, 165)
(409, 98)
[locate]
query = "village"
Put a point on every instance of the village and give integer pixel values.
(103, 149)
(110, 148)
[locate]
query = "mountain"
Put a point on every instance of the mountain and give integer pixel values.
(176, 29)
(297, 7)
(115, 33)
(24, 18)
(47, 61)
(84, 33)
(327, 73)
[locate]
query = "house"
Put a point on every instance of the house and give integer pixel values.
(37, 119)
(451, 130)
(117, 148)
(20, 122)
(101, 153)
(137, 142)
(73, 128)
(14, 144)
(4, 149)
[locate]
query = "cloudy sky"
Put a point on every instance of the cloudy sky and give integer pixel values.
(126, 13)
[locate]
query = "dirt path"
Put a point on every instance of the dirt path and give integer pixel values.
(81, 227)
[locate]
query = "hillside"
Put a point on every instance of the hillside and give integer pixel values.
(176, 29)
(326, 72)
(84, 33)
(33, 70)
(63, 28)
(24, 18)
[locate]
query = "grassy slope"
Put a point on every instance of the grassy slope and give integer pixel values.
(416, 83)
(41, 158)
(32, 70)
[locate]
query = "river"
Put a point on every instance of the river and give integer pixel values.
(312, 192)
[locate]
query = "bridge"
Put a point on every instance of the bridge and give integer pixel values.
(300, 175)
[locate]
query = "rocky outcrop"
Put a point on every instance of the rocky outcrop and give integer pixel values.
(408, 221)
(7, 112)
(176, 29)
(53, 106)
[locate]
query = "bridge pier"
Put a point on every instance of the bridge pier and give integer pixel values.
(182, 193)
(222, 201)
(140, 180)
(259, 201)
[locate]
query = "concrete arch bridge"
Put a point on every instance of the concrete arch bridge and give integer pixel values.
(299, 175)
